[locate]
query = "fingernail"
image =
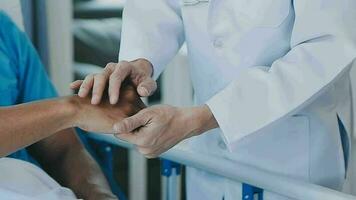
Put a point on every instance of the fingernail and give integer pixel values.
(81, 92)
(95, 99)
(116, 128)
(143, 91)
(113, 99)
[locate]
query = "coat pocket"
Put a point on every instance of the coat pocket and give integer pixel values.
(345, 142)
(266, 13)
(193, 2)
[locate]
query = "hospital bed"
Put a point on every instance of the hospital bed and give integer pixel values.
(254, 181)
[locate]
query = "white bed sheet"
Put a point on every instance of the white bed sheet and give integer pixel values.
(24, 181)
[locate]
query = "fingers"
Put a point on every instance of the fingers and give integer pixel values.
(99, 86)
(125, 128)
(122, 70)
(143, 144)
(95, 83)
(129, 124)
(113, 75)
(86, 86)
(100, 81)
(148, 152)
(147, 87)
(76, 84)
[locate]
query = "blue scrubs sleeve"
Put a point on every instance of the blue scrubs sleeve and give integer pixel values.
(33, 82)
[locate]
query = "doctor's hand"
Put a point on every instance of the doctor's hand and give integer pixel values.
(156, 129)
(138, 72)
(102, 117)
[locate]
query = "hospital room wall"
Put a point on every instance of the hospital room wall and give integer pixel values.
(51, 31)
(58, 38)
(60, 43)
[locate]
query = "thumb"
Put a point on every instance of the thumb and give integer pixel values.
(147, 87)
(129, 124)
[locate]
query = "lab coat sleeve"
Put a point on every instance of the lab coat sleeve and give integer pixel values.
(323, 48)
(153, 31)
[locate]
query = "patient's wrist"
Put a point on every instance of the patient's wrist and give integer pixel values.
(72, 106)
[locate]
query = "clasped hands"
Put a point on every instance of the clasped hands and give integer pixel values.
(116, 93)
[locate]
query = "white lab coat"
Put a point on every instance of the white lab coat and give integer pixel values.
(273, 72)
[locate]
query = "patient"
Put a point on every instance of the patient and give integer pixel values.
(45, 128)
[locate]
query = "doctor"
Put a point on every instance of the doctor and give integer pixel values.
(271, 76)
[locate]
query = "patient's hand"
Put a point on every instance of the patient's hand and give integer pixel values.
(101, 117)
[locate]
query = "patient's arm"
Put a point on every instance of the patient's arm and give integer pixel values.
(65, 159)
(25, 124)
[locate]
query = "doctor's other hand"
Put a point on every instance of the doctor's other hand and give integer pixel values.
(156, 129)
(137, 72)
(102, 117)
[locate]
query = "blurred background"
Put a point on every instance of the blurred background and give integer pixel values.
(78, 37)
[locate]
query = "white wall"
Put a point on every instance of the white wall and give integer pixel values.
(13, 9)
(59, 23)
(60, 45)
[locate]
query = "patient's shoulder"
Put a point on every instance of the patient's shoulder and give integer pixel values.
(6, 24)
(11, 38)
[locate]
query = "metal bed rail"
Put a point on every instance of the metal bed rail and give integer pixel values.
(241, 173)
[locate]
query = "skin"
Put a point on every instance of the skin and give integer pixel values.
(138, 73)
(153, 130)
(157, 129)
(66, 160)
(48, 127)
